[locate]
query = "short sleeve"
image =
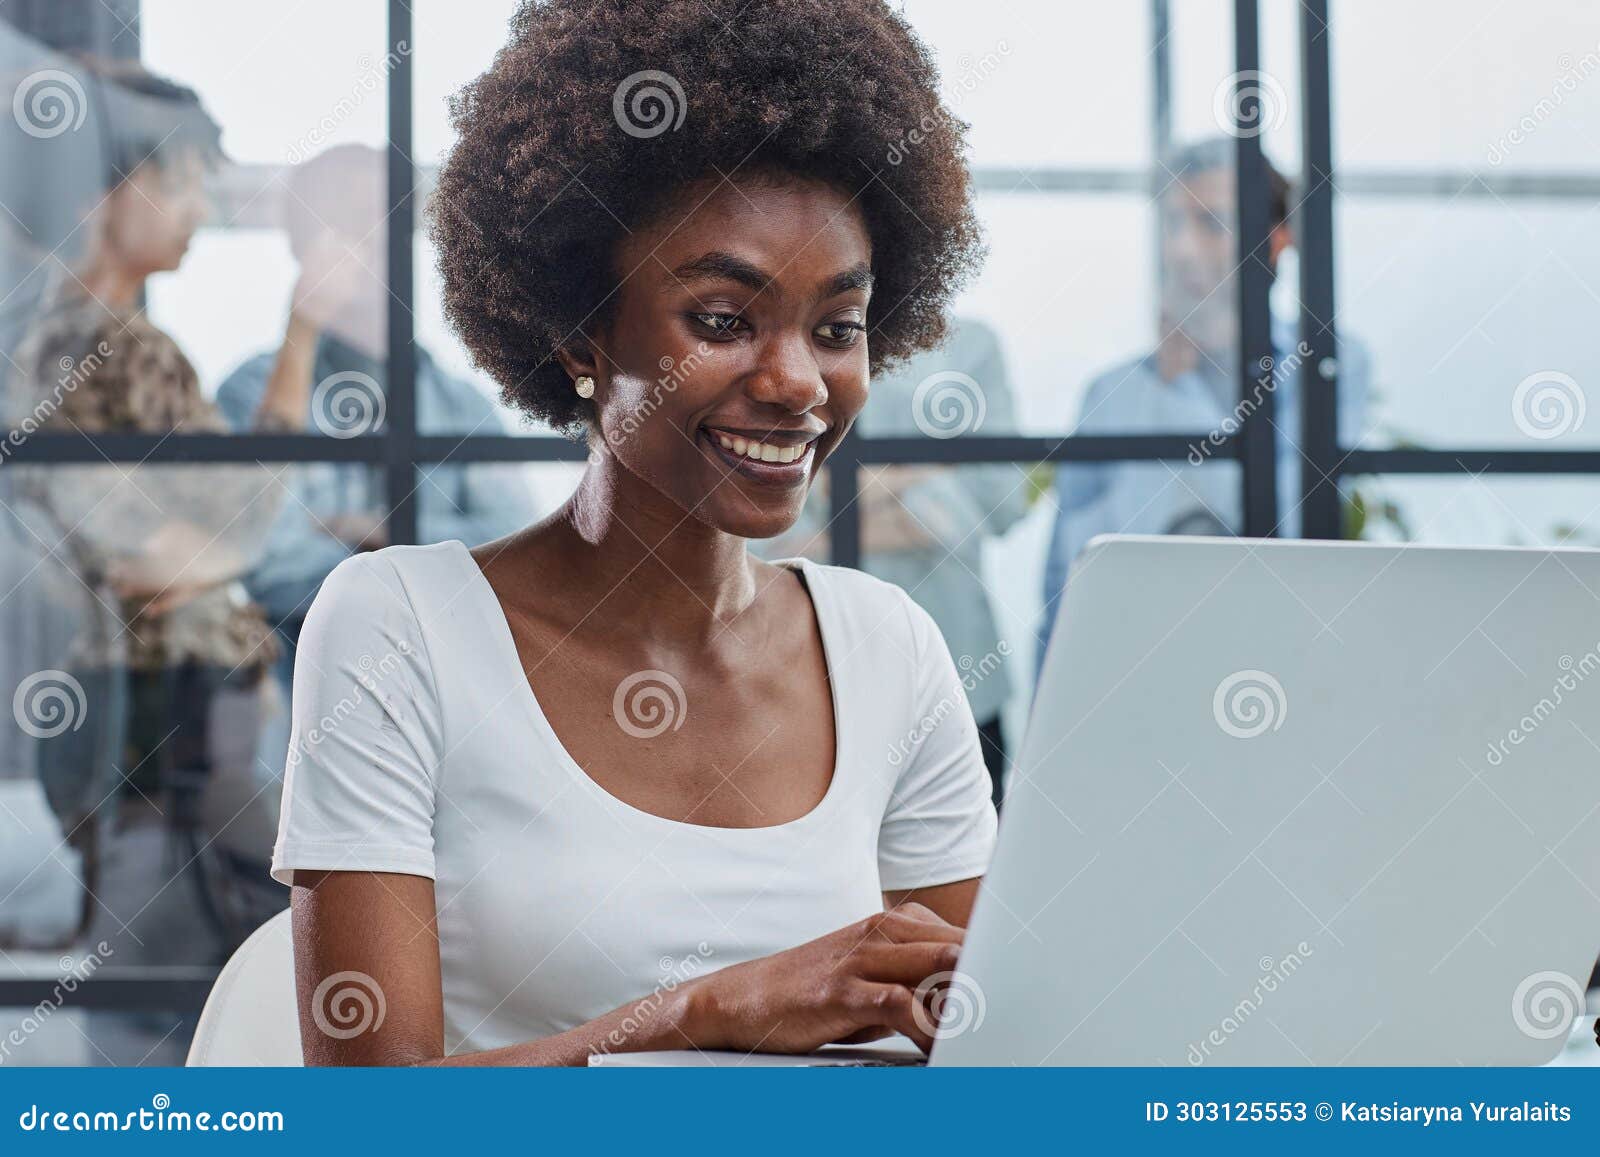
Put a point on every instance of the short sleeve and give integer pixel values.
(940, 823)
(365, 741)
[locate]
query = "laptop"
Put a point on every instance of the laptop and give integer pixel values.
(1294, 803)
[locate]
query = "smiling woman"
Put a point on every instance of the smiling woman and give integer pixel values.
(612, 783)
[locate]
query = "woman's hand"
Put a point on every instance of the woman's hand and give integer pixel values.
(863, 982)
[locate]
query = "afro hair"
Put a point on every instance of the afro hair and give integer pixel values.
(596, 113)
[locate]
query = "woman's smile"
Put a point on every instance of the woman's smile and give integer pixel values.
(772, 457)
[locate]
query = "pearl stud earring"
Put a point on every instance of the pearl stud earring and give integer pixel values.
(585, 386)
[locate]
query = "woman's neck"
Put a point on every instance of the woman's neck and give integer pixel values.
(661, 572)
(112, 285)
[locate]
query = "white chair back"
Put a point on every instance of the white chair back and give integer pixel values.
(251, 1017)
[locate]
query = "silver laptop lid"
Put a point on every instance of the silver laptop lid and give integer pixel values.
(1298, 803)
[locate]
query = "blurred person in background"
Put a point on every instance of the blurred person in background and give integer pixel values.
(167, 674)
(923, 528)
(334, 354)
(1190, 383)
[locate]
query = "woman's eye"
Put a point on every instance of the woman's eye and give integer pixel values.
(719, 323)
(842, 332)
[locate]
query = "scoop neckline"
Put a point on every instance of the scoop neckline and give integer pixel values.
(541, 722)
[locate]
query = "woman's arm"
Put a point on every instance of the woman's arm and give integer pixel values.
(859, 983)
(950, 902)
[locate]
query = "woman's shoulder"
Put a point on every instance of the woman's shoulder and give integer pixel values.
(873, 609)
(389, 589)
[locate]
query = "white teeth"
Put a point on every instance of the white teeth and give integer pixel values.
(762, 451)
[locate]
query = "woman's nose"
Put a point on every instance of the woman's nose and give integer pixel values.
(788, 376)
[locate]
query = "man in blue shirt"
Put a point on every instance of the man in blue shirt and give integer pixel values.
(1190, 385)
(334, 353)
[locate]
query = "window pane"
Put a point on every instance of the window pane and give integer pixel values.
(1506, 88)
(455, 43)
(149, 615)
(85, 1038)
(1483, 510)
(1001, 64)
(1490, 349)
(476, 502)
(1470, 302)
(1109, 290)
(170, 191)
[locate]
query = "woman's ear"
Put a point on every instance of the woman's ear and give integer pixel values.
(578, 359)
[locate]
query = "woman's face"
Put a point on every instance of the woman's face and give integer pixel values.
(152, 216)
(735, 358)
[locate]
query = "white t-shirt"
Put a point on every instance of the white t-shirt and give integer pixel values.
(419, 747)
